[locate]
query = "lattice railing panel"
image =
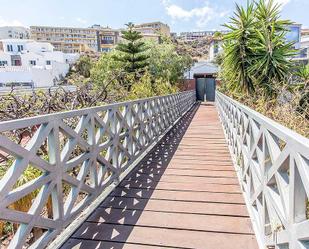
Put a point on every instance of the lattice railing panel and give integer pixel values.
(62, 162)
(273, 164)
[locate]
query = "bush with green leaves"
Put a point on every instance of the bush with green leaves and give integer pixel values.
(165, 63)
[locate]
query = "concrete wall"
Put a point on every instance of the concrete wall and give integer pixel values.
(40, 76)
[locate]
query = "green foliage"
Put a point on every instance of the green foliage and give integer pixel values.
(106, 68)
(271, 64)
(147, 86)
(165, 68)
(303, 74)
(238, 55)
(165, 63)
(83, 66)
(132, 50)
(256, 53)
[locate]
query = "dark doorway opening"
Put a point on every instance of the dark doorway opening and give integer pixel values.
(205, 87)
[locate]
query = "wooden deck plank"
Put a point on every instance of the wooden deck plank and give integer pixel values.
(173, 206)
(183, 178)
(180, 195)
(188, 186)
(183, 194)
(165, 237)
(181, 221)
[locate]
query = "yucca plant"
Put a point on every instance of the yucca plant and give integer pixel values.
(238, 54)
(303, 74)
(256, 53)
(271, 64)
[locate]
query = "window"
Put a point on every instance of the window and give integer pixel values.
(48, 63)
(20, 48)
(3, 63)
(10, 48)
(32, 62)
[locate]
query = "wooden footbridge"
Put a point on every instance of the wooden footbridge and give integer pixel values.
(165, 172)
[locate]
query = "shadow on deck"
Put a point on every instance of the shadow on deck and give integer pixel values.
(183, 194)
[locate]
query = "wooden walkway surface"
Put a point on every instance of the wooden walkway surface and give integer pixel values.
(184, 194)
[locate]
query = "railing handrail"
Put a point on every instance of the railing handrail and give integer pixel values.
(272, 164)
(272, 125)
(90, 155)
(17, 123)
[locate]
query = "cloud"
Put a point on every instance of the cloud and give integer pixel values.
(4, 22)
(283, 2)
(203, 15)
(81, 20)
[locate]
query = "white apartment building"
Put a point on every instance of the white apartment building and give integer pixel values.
(14, 32)
(304, 49)
(215, 48)
(33, 64)
(197, 35)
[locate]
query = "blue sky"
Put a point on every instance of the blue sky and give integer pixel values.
(181, 15)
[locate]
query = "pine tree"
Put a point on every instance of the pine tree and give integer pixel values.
(133, 51)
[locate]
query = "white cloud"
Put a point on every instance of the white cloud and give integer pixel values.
(282, 2)
(4, 22)
(203, 15)
(81, 20)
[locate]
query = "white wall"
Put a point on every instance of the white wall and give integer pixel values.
(42, 75)
(5, 57)
(14, 32)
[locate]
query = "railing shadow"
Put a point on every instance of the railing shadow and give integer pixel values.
(113, 221)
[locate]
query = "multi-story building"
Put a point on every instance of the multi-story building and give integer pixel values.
(66, 39)
(95, 38)
(293, 34)
(159, 27)
(107, 38)
(149, 33)
(192, 36)
(31, 63)
(304, 32)
(215, 49)
(14, 32)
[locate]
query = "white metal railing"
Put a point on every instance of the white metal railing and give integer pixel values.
(273, 168)
(75, 156)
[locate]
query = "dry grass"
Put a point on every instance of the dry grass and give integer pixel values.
(282, 109)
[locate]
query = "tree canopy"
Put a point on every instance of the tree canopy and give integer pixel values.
(132, 50)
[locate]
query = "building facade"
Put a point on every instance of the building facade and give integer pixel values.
(107, 39)
(66, 39)
(215, 49)
(33, 64)
(304, 32)
(294, 35)
(14, 32)
(159, 27)
(192, 36)
(149, 33)
(95, 38)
